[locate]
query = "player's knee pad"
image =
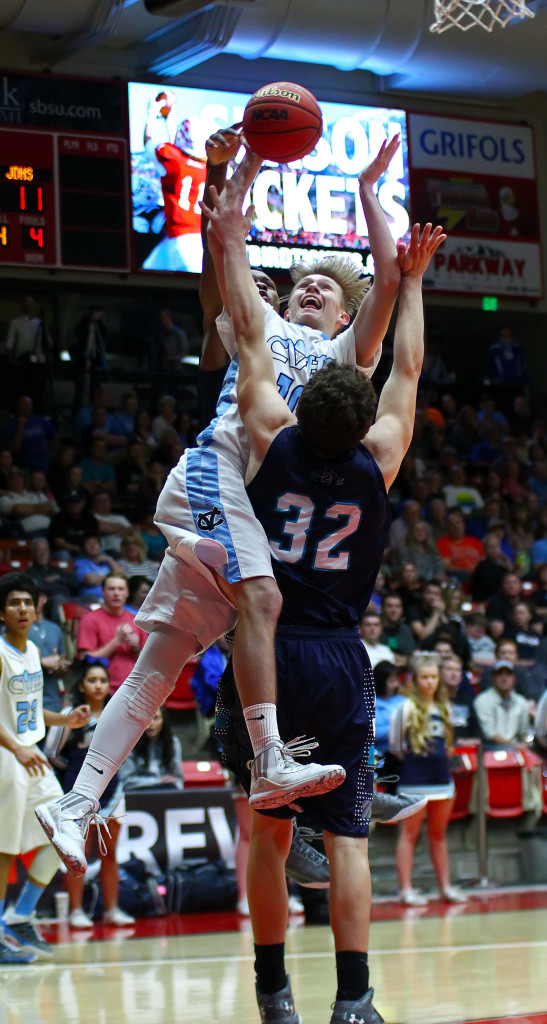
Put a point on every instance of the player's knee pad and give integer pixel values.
(147, 696)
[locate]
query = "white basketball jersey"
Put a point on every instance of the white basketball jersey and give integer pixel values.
(21, 689)
(297, 352)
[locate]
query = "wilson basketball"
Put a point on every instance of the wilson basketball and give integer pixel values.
(282, 122)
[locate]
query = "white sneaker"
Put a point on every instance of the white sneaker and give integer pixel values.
(66, 822)
(411, 898)
(277, 779)
(117, 917)
(295, 905)
(453, 895)
(79, 919)
(243, 907)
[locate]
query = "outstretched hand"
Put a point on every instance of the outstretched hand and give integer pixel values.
(226, 218)
(414, 259)
(223, 146)
(381, 162)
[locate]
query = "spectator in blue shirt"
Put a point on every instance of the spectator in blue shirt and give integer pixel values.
(97, 474)
(31, 438)
(90, 568)
(50, 640)
(506, 362)
(538, 481)
(387, 699)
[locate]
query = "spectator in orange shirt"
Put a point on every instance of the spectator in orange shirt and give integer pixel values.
(110, 632)
(461, 553)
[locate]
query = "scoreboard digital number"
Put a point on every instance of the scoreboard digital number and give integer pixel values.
(27, 199)
(63, 201)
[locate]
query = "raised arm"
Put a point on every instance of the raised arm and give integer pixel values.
(262, 409)
(390, 436)
(372, 320)
(221, 148)
(240, 183)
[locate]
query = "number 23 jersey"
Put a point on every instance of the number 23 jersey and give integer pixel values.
(327, 523)
(21, 690)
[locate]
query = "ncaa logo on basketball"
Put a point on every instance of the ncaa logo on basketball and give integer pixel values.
(272, 114)
(272, 90)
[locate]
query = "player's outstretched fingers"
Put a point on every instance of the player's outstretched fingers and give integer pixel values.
(437, 238)
(223, 146)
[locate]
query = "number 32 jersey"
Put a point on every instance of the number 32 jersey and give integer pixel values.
(327, 523)
(21, 690)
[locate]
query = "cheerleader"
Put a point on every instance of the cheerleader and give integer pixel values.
(421, 737)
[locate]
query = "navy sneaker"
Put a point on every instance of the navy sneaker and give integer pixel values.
(278, 1006)
(388, 809)
(10, 953)
(305, 864)
(356, 1011)
(28, 936)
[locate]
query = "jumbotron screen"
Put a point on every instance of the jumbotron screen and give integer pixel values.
(307, 206)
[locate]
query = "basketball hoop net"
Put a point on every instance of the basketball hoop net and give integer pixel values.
(465, 14)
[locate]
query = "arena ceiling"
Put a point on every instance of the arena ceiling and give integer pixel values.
(388, 41)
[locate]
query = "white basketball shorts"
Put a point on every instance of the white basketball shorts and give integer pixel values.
(20, 794)
(208, 521)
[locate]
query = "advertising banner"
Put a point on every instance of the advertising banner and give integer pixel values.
(69, 104)
(309, 205)
(163, 828)
(477, 179)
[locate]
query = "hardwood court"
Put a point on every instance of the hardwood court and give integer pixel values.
(481, 963)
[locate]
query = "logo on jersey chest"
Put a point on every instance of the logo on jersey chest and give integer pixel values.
(287, 351)
(326, 477)
(27, 682)
(209, 520)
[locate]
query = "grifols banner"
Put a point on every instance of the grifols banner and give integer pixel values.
(477, 179)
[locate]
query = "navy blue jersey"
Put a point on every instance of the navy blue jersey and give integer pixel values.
(327, 523)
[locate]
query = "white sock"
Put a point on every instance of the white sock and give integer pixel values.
(133, 706)
(261, 722)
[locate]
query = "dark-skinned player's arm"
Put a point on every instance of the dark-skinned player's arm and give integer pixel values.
(390, 436)
(240, 183)
(221, 148)
(372, 320)
(263, 411)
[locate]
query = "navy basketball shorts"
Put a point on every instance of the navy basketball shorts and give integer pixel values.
(325, 689)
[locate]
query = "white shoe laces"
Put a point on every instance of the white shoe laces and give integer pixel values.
(100, 823)
(300, 747)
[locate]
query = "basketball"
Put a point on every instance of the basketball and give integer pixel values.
(282, 122)
(169, 99)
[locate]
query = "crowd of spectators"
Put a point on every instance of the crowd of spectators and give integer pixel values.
(465, 570)
(77, 506)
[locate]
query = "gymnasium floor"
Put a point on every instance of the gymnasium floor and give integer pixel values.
(485, 962)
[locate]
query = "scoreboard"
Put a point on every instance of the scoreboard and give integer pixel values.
(63, 200)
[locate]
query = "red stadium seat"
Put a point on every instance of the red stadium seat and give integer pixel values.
(504, 783)
(19, 564)
(11, 548)
(202, 773)
(464, 776)
(182, 697)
